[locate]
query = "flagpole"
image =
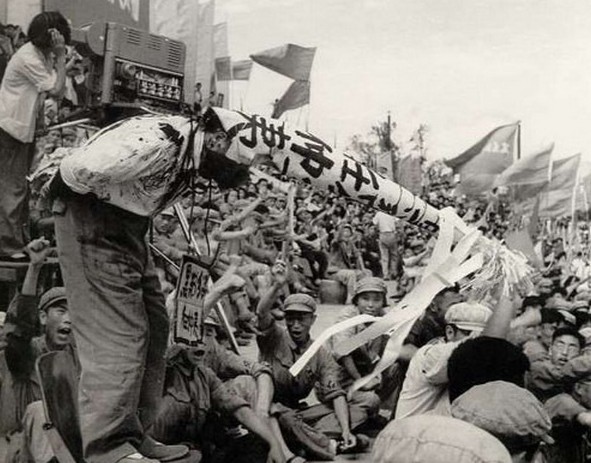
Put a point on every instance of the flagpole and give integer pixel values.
(518, 140)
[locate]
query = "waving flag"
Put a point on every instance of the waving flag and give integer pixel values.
(241, 69)
(528, 176)
(223, 68)
(290, 60)
(297, 95)
(558, 199)
(480, 165)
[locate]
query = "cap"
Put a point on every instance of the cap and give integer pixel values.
(367, 284)
(469, 316)
(299, 303)
(509, 412)
(437, 439)
(169, 211)
(51, 297)
(211, 320)
(68, 131)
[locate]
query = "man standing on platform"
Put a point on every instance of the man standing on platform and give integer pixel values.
(105, 194)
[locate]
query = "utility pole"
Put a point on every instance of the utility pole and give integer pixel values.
(389, 147)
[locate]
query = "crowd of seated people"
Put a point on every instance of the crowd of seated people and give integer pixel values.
(510, 379)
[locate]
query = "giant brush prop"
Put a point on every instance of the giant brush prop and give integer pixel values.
(299, 154)
(460, 251)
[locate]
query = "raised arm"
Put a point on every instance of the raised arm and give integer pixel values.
(279, 273)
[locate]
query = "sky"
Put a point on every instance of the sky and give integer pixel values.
(462, 67)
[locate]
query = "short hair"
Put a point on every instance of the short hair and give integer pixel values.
(530, 301)
(41, 24)
(568, 331)
(484, 359)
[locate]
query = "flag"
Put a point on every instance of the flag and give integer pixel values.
(297, 95)
(223, 68)
(410, 174)
(583, 194)
(290, 60)
(480, 165)
(528, 176)
(204, 57)
(558, 198)
(220, 50)
(241, 69)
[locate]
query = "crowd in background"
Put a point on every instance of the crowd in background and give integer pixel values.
(274, 256)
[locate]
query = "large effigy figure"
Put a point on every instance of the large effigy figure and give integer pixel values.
(104, 195)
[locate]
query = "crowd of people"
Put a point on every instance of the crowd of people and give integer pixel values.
(495, 380)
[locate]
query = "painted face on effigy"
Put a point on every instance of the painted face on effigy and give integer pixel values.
(217, 142)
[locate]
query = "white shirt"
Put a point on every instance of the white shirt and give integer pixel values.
(28, 75)
(425, 386)
(136, 164)
(385, 223)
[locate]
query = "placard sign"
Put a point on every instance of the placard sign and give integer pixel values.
(190, 294)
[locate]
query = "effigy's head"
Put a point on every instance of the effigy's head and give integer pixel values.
(215, 138)
(215, 164)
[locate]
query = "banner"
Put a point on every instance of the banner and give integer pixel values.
(300, 154)
(480, 165)
(296, 96)
(241, 69)
(290, 60)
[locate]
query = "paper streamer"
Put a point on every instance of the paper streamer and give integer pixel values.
(299, 365)
(300, 154)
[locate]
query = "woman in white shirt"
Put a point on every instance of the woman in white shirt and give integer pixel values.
(36, 69)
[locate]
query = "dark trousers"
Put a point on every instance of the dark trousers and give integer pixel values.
(15, 161)
(316, 257)
(119, 321)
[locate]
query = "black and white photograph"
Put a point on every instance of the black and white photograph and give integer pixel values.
(295, 231)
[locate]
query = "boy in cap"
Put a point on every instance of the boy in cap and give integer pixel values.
(281, 348)
(21, 412)
(369, 298)
(425, 385)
